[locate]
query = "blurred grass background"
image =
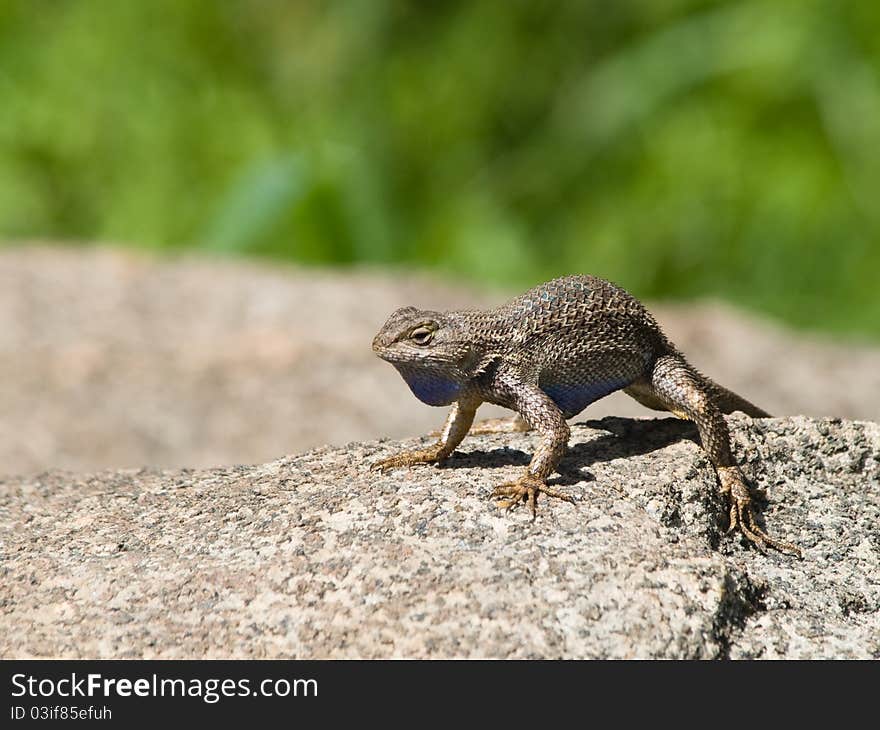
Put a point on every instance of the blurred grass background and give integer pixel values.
(680, 147)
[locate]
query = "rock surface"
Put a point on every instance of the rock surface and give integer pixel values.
(111, 359)
(315, 556)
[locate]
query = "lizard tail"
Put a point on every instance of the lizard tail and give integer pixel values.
(727, 401)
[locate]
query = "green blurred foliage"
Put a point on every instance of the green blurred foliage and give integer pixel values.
(679, 147)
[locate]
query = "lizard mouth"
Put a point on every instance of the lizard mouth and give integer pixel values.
(387, 352)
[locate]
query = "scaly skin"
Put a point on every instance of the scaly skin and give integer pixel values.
(547, 355)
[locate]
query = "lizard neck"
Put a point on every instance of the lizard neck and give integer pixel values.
(432, 387)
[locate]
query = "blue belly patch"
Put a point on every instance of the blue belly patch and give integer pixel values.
(572, 398)
(432, 389)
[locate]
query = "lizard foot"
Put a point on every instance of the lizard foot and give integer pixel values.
(428, 455)
(525, 489)
(743, 517)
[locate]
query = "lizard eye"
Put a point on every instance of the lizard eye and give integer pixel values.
(422, 335)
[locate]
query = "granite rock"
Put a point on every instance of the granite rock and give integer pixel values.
(315, 556)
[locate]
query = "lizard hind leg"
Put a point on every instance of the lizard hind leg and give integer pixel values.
(683, 391)
(642, 391)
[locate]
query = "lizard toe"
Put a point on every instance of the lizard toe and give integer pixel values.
(525, 489)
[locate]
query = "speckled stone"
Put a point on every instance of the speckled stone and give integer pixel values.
(315, 556)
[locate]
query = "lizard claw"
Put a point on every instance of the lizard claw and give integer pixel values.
(525, 489)
(742, 515)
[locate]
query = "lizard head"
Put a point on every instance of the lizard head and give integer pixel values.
(431, 352)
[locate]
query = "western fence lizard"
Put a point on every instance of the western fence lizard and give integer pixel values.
(547, 355)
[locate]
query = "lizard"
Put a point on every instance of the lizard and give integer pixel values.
(547, 355)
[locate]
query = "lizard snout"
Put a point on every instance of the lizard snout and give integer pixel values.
(381, 342)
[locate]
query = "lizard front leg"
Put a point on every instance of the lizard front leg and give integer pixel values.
(684, 393)
(458, 423)
(542, 414)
